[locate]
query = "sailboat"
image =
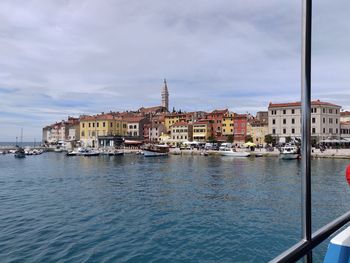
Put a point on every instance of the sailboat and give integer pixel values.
(20, 153)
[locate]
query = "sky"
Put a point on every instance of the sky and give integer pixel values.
(63, 57)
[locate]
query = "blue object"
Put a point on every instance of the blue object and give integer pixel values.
(339, 248)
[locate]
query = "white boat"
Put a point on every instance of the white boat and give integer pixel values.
(233, 153)
(156, 150)
(289, 152)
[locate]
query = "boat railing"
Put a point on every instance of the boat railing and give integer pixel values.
(303, 249)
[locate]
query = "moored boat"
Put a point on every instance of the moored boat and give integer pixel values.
(156, 150)
(289, 152)
(233, 153)
(20, 153)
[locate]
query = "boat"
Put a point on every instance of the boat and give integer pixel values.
(232, 152)
(112, 153)
(20, 153)
(156, 150)
(204, 153)
(289, 152)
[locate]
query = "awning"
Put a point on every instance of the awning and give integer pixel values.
(132, 142)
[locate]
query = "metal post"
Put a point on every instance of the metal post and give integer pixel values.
(306, 122)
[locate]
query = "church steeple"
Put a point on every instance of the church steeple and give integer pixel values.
(165, 95)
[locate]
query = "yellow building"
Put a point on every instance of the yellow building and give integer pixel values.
(227, 124)
(202, 130)
(100, 125)
(258, 131)
(170, 119)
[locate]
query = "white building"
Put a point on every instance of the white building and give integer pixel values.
(284, 120)
(181, 132)
(155, 131)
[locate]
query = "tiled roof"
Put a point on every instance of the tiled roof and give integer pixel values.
(133, 119)
(298, 104)
(345, 113)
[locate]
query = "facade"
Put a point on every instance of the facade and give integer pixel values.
(91, 127)
(155, 131)
(262, 116)
(345, 130)
(285, 120)
(165, 96)
(135, 126)
(240, 128)
(181, 132)
(258, 131)
(345, 116)
(202, 130)
(217, 117)
(227, 124)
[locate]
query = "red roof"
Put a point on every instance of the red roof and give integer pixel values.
(298, 104)
(133, 119)
(345, 113)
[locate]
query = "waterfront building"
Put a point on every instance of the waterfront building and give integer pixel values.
(54, 133)
(91, 127)
(227, 124)
(258, 131)
(172, 118)
(135, 126)
(203, 130)
(217, 117)
(165, 96)
(181, 132)
(240, 128)
(345, 129)
(345, 116)
(285, 120)
(155, 131)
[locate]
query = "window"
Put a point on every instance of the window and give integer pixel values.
(111, 124)
(284, 111)
(284, 121)
(315, 110)
(293, 111)
(93, 124)
(313, 130)
(336, 121)
(284, 131)
(313, 120)
(336, 111)
(330, 120)
(293, 130)
(324, 110)
(336, 130)
(134, 126)
(324, 120)
(293, 121)
(83, 125)
(330, 111)
(89, 124)
(97, 124)
(324, 130)
(330, 130)
(104, 124)
(273, 121)
(82, 134)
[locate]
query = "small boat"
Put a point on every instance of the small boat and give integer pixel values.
(156, 150)
(20, 153)
(258, 155)
(289, 152)
(204, 153)
(232, 153)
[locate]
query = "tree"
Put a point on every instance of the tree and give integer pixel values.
(288, 139)
(211, 139)
(230, 138)
(269, 139)
(248, 138)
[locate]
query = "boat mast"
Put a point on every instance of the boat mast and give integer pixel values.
(306, 123)
(21, 137)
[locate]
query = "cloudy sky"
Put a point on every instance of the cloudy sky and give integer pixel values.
(65, 57)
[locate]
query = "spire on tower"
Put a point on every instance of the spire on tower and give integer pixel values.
(165, 95)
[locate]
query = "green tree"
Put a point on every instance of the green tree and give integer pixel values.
(248, 138)
(230, 138)
(288, 139)
(269, 139)
(211, 139)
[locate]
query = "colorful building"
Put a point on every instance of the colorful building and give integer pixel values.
(202, 130)
(181, 132)
(228, 124)
(100, 125)
(240, 128)
(217, 117)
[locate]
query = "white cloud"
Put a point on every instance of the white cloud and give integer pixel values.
(66, 57)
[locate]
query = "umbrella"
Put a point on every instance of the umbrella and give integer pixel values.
(249, 144)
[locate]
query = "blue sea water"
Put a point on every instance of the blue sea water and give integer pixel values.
(176, 209)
